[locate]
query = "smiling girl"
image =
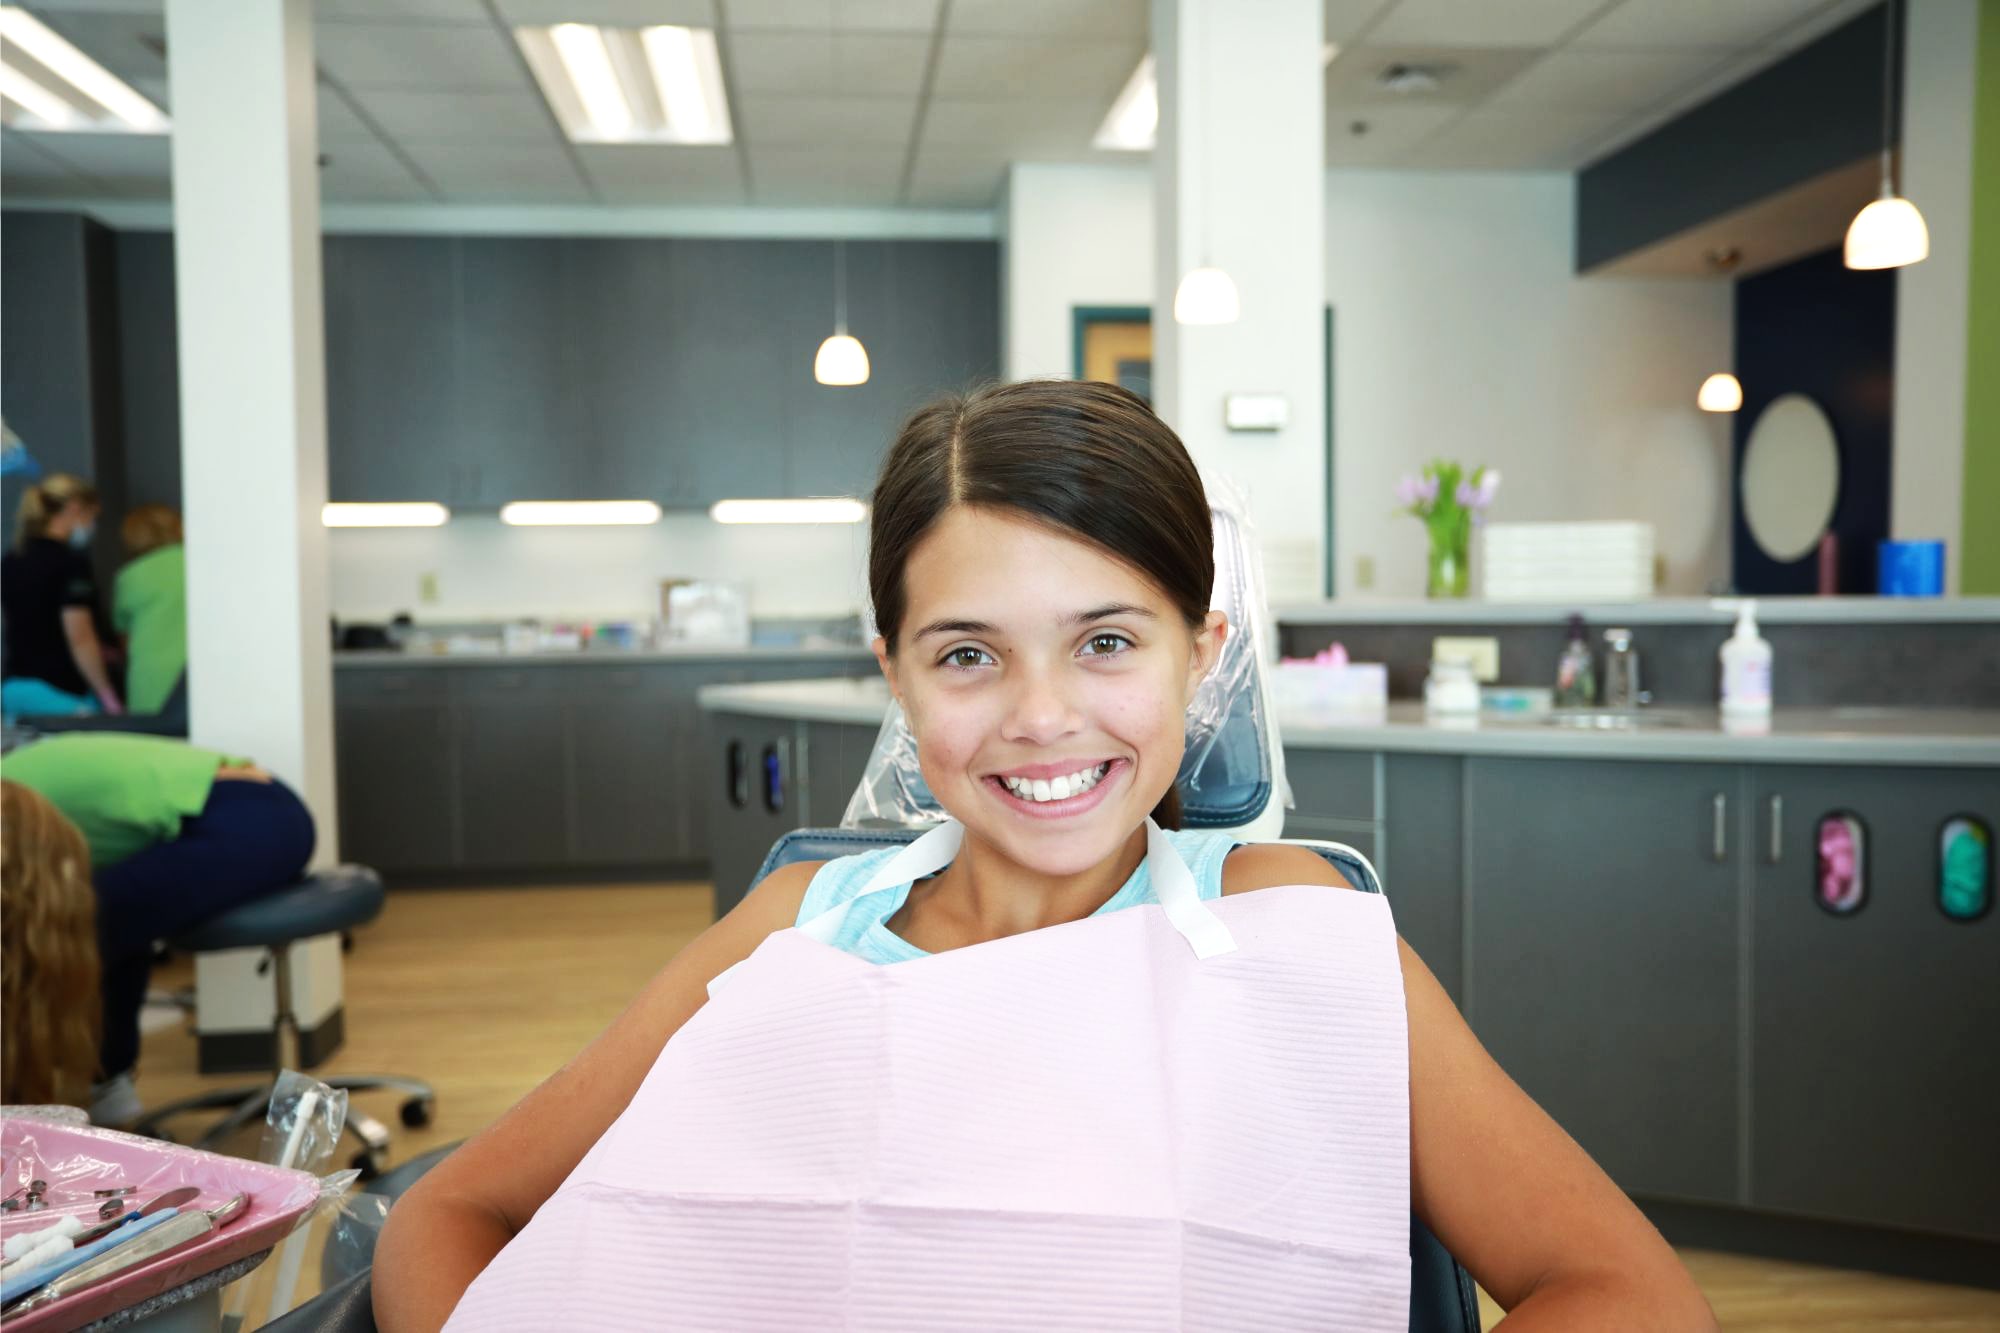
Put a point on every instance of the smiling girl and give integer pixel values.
(1089, 1118)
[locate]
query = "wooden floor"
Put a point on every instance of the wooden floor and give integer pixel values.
(484, 992)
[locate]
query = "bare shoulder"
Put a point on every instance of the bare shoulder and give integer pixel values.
(1263, 865)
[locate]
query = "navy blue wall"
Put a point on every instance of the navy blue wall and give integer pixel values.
(1829, 332)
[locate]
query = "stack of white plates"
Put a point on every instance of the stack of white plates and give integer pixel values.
(1568, 562)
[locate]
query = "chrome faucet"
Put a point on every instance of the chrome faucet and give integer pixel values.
(1621, 670)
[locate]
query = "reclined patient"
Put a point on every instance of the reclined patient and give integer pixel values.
(1058, 1063)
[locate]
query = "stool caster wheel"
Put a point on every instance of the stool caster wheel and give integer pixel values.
(371, 1163)
(418, 1112)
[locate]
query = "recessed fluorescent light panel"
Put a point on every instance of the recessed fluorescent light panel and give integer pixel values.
(416, 514)
(578, 513)
(630, 85)
(830, 510)
(47, 84)
(1134, 119)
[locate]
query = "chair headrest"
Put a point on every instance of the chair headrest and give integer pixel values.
(1232, 763)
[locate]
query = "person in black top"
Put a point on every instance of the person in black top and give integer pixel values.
(54, 660)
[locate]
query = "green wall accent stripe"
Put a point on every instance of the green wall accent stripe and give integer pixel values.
(1979, 565)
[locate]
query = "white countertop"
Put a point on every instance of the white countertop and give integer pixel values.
(1656, 611)
(1796, 736)
(391, 657)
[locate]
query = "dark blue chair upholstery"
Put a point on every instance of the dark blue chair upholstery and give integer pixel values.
(325, 901)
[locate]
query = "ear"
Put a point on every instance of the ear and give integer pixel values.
(1208, 641)
(888, 665)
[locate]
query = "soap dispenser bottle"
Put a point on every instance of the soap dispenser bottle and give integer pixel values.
(1746, 666)
(1576, 670)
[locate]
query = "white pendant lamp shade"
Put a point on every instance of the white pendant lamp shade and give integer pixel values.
(1206, 296)
(1720, 392)
(842, 361)
(1889, 233)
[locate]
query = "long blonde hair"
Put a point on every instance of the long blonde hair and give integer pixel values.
(44, 500)
(49, 1002)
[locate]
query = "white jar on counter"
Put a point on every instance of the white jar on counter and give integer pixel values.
(1451, 688)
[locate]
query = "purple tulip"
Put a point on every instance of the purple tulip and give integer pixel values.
(1427, 489)
(1406, 491)
(1489, 486)
(1465, 495)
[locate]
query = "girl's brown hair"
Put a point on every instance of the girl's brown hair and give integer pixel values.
(149, 527)
(44, 500)
(1088, 460)
(49, 1001)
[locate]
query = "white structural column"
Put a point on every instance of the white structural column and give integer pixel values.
(1239, 184)
(253, 389)
(1940, 83)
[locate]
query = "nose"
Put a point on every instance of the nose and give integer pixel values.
(1040, 710)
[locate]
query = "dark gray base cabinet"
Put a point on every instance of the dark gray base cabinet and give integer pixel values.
(1641, 946)
(769, 776)
(545, 767)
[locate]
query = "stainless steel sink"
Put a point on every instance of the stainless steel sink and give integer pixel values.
(1615, 719)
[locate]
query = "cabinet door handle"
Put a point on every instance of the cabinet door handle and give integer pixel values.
(738, 789)
(1720, 851)
(1775, 852)
(774, 777)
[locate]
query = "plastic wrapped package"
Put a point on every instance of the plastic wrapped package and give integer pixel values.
(76, 1160)
(1232, 770)
(302, 1128)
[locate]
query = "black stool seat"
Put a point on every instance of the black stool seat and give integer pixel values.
(338, 898)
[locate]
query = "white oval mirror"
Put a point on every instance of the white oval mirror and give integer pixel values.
(1791, 478)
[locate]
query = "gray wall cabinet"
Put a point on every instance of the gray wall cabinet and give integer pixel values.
(1875, 1076)
(545, 767)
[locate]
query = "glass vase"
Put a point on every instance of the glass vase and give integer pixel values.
(1451, 566)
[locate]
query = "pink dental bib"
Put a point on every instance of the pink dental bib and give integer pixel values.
(1193, 1115)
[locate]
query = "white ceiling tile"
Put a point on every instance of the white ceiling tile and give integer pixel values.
(367, 173)
(424, 57)
(1016, 128)
(1534, 23)
(1644, 23)
(1124, 20)
(337, 121)
(1494, 140)
(819, 64)
(1471, 74)
(128, 45)
(1028, 70)
(23, 163)
(609, 13)
(822, 15)
(461, 117)
(659, 175)
(1386, 135)
(117, 159)
(827, 120)
(1608, 80)
(500, 172)
(852, 177)
(403, 11)
(1345, 19)
(872, 64)
(956, 180)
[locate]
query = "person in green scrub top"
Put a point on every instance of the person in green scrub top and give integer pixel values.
(177, 834)
(149, 607)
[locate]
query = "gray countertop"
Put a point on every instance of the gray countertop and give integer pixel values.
(1653, 611)
(1796, 736)
(598, 657)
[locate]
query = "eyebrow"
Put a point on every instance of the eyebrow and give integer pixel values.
(1075, 618)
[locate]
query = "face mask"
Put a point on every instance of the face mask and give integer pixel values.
(79, 536)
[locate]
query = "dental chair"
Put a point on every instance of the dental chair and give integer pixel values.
(1231, 779)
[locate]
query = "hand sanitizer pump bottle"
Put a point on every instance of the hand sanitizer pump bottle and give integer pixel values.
(1746, 667)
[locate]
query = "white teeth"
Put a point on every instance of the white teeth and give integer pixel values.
(1056, 788)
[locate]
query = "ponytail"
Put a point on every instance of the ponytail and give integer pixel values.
(44, 500)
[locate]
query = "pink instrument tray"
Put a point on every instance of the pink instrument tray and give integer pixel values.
(76, 1160)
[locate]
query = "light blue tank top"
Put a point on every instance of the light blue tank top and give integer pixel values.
(865, 933)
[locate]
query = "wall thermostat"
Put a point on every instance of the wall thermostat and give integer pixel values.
(1256, 411)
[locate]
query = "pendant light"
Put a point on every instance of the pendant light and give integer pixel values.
(842, 360)
(1206, 295)
(1889, 232)
(1720, 392)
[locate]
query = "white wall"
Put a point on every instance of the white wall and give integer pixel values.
(1462, 332)
(1940, 79)
(488, 570)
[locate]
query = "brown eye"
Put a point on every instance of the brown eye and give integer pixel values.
(1107, 645)
(964, 658)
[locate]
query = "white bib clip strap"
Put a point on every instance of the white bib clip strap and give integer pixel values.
(1174, 886)
(926, 856)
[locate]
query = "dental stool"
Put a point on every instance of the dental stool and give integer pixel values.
(326, 902)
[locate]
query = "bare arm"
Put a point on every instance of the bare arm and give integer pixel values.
(88, 654)
(445, 1231)
(1516, 1201)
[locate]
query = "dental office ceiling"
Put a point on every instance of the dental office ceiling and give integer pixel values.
(918, 103)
